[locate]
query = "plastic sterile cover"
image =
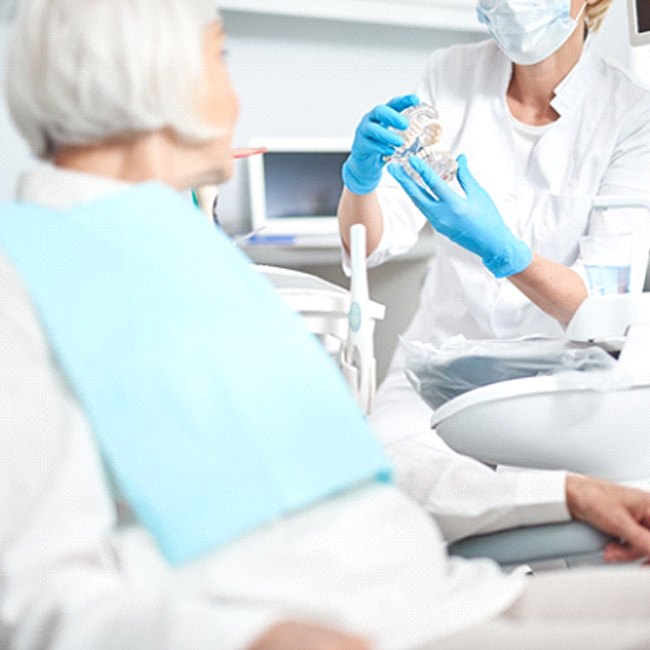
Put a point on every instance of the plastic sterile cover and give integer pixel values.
(459, 365)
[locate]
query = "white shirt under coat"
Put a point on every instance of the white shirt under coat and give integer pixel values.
(543, 182)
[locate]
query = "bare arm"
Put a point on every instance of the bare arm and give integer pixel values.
(554, 288)
(360, 208)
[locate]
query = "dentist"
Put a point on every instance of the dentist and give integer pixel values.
(546, 124)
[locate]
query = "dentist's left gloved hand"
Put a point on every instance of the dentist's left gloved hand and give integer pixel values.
(471, 221)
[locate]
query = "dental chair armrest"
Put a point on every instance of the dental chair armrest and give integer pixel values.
(530, 544)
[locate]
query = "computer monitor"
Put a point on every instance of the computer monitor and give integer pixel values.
(295, 187)
(639, 16)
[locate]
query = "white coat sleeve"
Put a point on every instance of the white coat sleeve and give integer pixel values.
(68, 579)
(464, 496)
(467, 498)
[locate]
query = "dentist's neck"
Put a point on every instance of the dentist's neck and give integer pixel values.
(532, 87)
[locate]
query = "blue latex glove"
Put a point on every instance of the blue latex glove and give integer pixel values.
(471, 221)
(372, 141)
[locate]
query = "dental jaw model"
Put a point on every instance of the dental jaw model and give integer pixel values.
(422, 139)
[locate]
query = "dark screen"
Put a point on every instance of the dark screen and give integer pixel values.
(643, 16)
(303, 184)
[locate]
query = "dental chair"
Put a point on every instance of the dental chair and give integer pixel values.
(606, 432)
(547, 546)
(342, 320)
(597, 419)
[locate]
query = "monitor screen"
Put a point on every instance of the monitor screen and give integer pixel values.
(639, 14)
(642, 16)
(302, 184)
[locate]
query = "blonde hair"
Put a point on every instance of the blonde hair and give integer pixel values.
(595, 14)
(80, 72)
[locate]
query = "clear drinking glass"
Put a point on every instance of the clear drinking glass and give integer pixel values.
(422, 139)
(607, 261)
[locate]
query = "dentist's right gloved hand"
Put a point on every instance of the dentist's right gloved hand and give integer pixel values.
(471, 221)
(372, 141)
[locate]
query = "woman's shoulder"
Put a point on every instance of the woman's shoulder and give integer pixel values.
(607, 78)
(626, 94)
(622, 78)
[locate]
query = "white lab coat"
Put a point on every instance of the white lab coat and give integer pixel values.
(77, 573)
(600, 145)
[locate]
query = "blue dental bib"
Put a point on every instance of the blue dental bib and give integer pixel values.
(214, 409)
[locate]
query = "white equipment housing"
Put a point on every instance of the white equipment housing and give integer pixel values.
(597, 424)
(591, 423)
(344, 321)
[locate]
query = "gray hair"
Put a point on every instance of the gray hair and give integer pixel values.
(81, 71)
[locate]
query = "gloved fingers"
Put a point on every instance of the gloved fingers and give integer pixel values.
(403, 101)
(387, 116)
(465, 178)
(378, 134)
(433, 181)
(423, 200)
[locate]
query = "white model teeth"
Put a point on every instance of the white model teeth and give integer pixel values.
(421, 139)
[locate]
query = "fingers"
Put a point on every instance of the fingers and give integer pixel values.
(636, 536)
(388, 116)
(422, 199)
(377, 124)
(621, 553)
(378, 134)
(433, 180)
(465, 178)
(403, 101)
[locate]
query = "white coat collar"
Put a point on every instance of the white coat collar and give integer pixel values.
(59, 189)
(571, 90)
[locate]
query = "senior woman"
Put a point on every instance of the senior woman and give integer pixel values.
(168, 476)
(547, 124)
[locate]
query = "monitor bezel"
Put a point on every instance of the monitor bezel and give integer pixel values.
(636, 38)
(294, 225)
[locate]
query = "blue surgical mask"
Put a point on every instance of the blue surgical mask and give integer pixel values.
(528, 31)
